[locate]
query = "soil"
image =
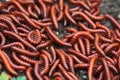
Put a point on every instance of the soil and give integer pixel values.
(111, 7)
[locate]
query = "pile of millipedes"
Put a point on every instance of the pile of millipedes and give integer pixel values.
(52, 39)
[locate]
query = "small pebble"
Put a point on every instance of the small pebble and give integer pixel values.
(47, 48)
(57, 33)
(119, 15)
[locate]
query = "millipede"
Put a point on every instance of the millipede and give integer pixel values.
(54, 39)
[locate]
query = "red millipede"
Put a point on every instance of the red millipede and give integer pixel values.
(112, 68)
(3, 39)
(76, 48)
(113, 21)
(103, 46)
(101, 76)
(19, 61)
(48, 55)
(81, 45)
(118, 63)
(24, 35)
(44, 8)
(91, 67)
(30, 11)
(56, 39)
(74, 9)
(89, 3)
(110, 60)
(34, 37)
(9, 23)
(46, 78)
(10, 9)
(71, 64)
(46, 64)
(81, 66)
(97, 3)
(41, 24)
(71, 30)
(20, 39)
(80, 3)
(26, 18)
(97, 46)
(14, 19)
(15, 66)
(80, 55)
(43, 45)
(44, 37)
(67, 14)
(94, 17)
(29, 60)
(99, 69)
(25, 26)
(83, 15)
(25, 52)
(54, 56)
(107, 71)
(61, 4)
(21, 29)
(26, 2)
(18, 44)
(98, 11)
(110, 47)
(3, 25)
(99, 25)
(115, 60)
(79, 34)
(62, 58)
(81, 25)
(58, 74)
(87, 46)
(114, 53)
(6, 63)
(58, 78)
(55, 64)
(117, 33)
(76, 59)
(64, 72)
(53, 16)
(19, 6)
(36, 8)
(36, 69)
(28, 73)
(70, 61)
(60, 16)
(104, 39)
(49, 1)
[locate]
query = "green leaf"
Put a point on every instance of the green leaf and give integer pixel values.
(84, 77)
(20, 78)
(13, 78)
(4, 76)
(24, 78)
